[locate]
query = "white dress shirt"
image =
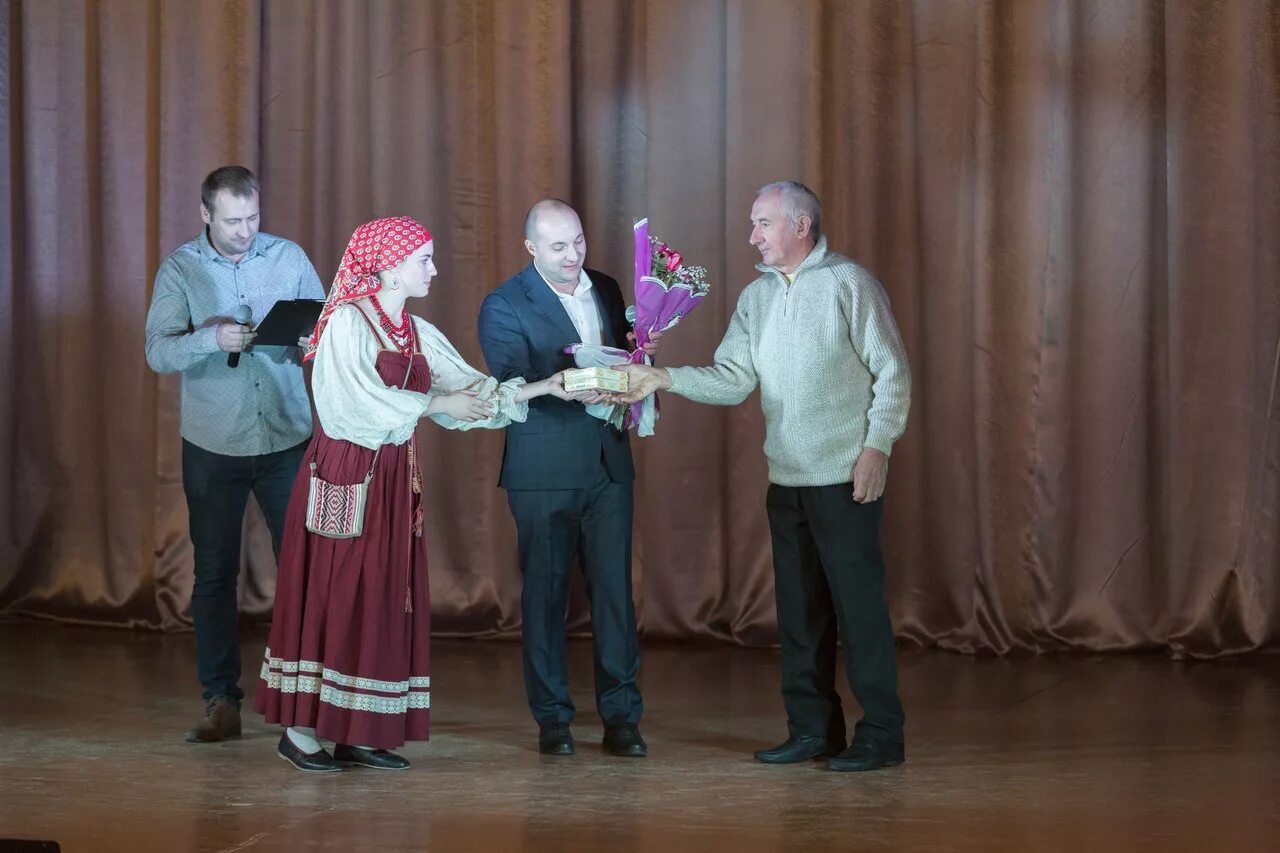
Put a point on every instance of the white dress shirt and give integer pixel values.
(581, 308)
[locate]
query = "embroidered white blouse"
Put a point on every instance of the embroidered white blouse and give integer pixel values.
(356, 405)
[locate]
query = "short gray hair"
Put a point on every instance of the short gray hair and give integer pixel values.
(797, 200)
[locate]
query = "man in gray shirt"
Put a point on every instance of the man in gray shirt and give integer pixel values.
(246, 418)
(814, 332)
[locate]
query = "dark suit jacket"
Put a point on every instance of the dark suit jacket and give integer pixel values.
(523, 332)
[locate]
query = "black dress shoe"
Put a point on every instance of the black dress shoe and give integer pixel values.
(312, 762)
(555, 739)
(799, 748)
(624, 741)
(378, 759)
(868, 755)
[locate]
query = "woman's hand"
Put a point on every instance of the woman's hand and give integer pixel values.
(555, 387)
(461, 406)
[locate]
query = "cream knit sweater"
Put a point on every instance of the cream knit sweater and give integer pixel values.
(830, 364)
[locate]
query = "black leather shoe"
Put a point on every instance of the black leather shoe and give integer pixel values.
(555, 739)
(624, 741)
(799, 748)
(378, 759)
(868, 755)
(313, 762)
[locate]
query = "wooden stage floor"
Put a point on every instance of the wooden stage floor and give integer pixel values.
(1079, 753)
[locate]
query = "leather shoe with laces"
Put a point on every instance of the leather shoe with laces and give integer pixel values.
(799, 748)
(221, 721)
(378, 759)
(312, 762)
(868, 755)
(555, 739)
(624, 741)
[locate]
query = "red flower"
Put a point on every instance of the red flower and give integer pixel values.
(673, 262)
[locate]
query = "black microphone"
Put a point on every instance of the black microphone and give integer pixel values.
(243, 315)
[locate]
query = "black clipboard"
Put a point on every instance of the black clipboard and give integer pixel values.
(288, 320)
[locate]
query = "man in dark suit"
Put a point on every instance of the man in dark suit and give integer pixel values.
(568, 478)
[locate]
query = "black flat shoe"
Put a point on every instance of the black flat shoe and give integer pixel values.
(555, 739)
(799, 748)
(868, 755)
(378, 759)
(624, 741)
(312, 762)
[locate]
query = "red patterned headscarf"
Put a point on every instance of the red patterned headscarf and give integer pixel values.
(374, 247)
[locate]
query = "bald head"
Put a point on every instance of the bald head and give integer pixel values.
(543, 208)
(553, 235)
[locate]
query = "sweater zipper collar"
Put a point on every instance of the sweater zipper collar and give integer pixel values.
(812, 259)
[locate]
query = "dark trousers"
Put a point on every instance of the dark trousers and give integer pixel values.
(217, 489)
(594, 525)
(829, 575)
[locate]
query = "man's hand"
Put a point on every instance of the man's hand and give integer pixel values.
(304, 341)
(650, 348)
(869, 474)
(461, 406)
(641, 382)
(232, 337)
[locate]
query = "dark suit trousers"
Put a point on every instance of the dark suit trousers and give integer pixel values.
(829, 575)
(594, 525)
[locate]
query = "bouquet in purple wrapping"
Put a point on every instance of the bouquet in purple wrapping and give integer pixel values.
(666, 291)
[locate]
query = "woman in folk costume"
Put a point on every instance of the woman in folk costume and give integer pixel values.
(347, 659)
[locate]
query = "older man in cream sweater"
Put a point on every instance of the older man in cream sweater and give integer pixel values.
(815, 333)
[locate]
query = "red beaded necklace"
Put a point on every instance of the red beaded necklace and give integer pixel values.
(400, 334)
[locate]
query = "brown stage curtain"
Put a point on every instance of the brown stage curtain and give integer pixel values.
(1073, 206)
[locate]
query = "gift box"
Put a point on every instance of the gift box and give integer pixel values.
(595, 379)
